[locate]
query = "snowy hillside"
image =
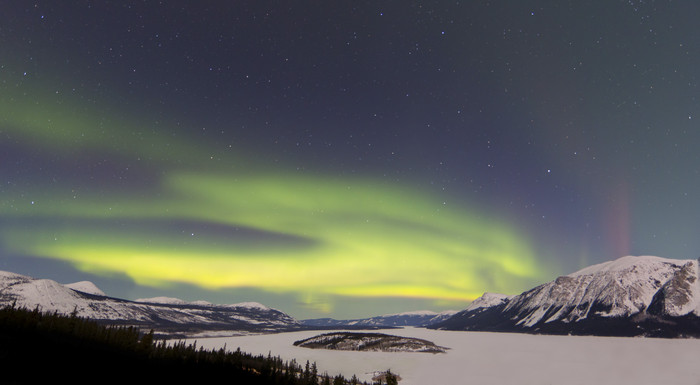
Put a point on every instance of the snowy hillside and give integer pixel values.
(85, 287)
(165, 315)
(162, 300)
(629, 296)
(618, 288)
(488, 300)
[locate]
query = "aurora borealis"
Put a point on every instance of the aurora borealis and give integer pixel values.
(344, 160)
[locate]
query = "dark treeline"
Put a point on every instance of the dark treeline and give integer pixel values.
(60, 348)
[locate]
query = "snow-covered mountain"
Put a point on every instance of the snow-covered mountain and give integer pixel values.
(414, 318)
(165, 315)
(489, 300)
(85, 287)
(629, 296)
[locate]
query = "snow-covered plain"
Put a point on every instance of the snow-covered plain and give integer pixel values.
(497, 358)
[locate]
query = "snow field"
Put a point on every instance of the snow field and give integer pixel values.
(497, 358)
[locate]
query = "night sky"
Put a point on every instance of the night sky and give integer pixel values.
(344, 159)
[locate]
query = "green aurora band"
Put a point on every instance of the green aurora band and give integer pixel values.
(324, 235)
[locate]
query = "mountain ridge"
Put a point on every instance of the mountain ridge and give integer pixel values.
(630, 296)
(420, 318)
(170, 317)
(174, 317)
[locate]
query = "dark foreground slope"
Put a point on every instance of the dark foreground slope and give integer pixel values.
(60, 349)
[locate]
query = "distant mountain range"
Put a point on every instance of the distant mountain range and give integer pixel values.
(631, 296)
(174, 317)
(410, 319)
(167, 316)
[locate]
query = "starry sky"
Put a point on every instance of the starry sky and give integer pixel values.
(344, 159)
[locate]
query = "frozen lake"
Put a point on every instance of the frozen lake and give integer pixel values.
(498, 358)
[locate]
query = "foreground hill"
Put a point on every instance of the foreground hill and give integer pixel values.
(168, 316)
(73, 350)
(631, 296)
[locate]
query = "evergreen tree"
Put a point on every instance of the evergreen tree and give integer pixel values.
(146, 342)
(314, 374)
(391, 379)
(306, 377)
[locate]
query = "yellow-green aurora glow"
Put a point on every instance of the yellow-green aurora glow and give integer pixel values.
(344, 160)
(317, 234)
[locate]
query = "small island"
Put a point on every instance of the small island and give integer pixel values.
(369, 342)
